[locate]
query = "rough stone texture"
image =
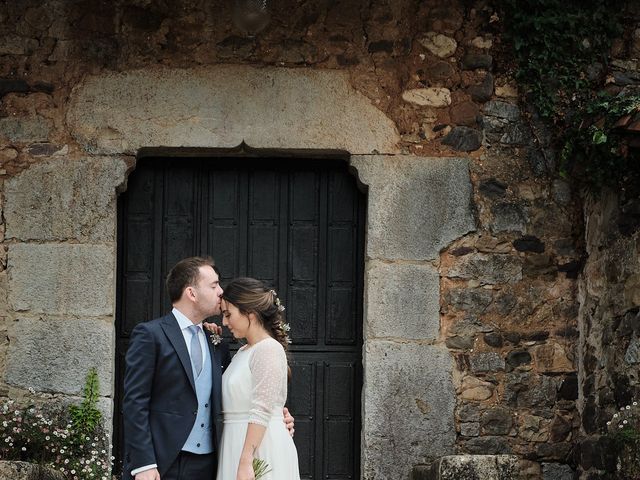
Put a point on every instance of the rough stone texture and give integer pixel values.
(533, 428)
(488, 444)
(416, 205)
(552, 358)
(27, 129)
(440, 72)
(517, 357)
(486, 362)
(483, 91)
(7, 154)
(496, 421)
(46, 149)
(508, 217)
(556, 471)
(476, 390)
(64, 279)
(460, 342)
(609, 329)
(632, 290)
(465, 113)
(13, 86)
(487, 269)
(14, 470)
(396, 311)
(4, 325)
(482, 43)
(424, 395)
(463, 139)
(507, 91)
(472, 467)
(470, 429)
(632, 354)
(224, 105)
(516, 135)
(472, 61)
(529, 243)
(438, 44)
(68, 348)
(80, 201)
(428, 97)
(470, 300)
(502, 110)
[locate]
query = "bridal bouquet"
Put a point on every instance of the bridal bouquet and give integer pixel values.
(260, 468)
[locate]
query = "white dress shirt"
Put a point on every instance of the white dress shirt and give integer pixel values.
(184, 323)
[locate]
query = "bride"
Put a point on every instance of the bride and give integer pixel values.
(254, 386)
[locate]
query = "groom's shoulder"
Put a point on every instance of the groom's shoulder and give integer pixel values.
(153, 324)
(158, 321)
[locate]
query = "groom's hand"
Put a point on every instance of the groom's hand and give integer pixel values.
(288, 421)
(213, 327)
(151, 474)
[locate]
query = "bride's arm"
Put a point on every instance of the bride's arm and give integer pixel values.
(268, 365)
(252, 441)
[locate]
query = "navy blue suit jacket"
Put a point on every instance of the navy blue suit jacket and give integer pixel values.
(160, 402)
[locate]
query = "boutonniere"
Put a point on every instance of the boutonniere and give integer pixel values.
(215, 338)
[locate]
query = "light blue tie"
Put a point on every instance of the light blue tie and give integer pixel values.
(196, 351)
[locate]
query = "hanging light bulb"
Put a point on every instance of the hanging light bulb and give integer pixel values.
(251, 16)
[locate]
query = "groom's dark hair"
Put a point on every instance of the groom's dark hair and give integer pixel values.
(185, 273)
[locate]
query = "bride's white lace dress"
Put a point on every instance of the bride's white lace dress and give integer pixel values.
(254, 389)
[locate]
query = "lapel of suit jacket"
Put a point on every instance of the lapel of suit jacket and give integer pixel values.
(216, 369)
(173, 333)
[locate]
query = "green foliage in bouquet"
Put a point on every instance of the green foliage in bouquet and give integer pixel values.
(260, 468)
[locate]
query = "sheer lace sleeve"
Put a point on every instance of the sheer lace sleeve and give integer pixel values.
(268, 365)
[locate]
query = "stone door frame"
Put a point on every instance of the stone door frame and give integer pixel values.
(416, 207)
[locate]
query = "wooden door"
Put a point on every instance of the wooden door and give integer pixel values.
(296, 224)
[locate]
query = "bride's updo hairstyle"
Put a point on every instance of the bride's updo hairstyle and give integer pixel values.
(253, 296)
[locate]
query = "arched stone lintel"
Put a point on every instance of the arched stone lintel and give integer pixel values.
(224, 105)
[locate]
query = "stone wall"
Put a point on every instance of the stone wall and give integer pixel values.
(509, 306)
(473, 253)
(609, 296)
(59, 298)
(610, 330)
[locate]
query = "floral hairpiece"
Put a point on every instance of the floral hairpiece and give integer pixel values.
(277, 301)
(284, 327)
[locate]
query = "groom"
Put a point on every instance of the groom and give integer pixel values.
(173, 380)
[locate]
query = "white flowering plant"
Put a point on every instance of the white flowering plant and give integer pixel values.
(626, 421)
(70, 440)
(624, 428)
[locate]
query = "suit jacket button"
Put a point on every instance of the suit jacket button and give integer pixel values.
(195, 412)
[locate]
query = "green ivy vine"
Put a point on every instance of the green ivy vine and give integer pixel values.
(595, 150)
(561, 53)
